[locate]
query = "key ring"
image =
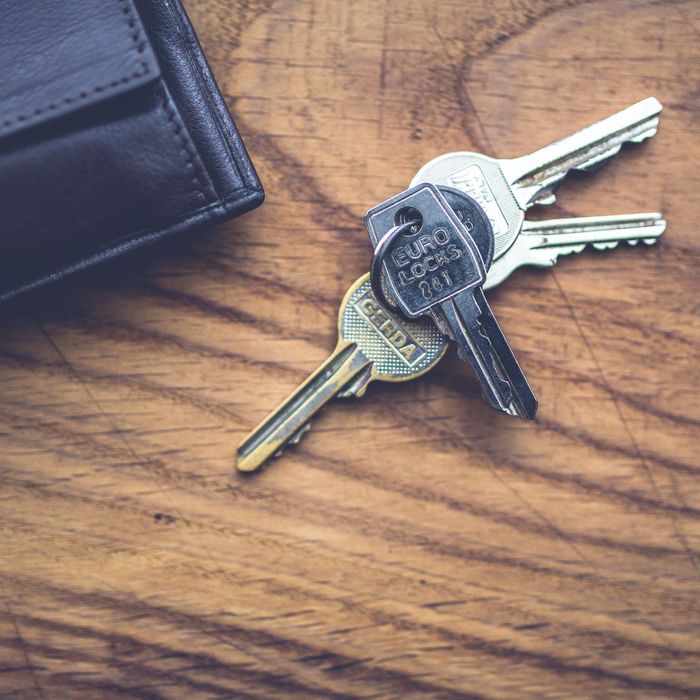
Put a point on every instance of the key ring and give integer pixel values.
(380, 251)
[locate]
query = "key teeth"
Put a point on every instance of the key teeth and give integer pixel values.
(571, 250)
(601, 158)
(295, 439)
(609, 245)
(513, 411)
(602, 246)
(545, 199)
(504, 392)
(485, 342)
(517, 405)
(506, 389)
(651, 131)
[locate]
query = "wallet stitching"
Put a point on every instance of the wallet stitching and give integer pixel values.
(215, 112)
(205, 88)
(140, 45)
(186, 146)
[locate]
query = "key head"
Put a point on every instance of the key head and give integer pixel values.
(474, 219)
(476, 222)
(399, 349)
(430, 262)
(483, 180)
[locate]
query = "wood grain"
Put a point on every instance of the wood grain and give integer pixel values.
(415, 544)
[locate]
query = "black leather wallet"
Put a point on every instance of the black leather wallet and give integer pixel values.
(113, 134)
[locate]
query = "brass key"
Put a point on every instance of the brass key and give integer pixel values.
(373, 344)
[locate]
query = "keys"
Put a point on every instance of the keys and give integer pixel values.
(373, 344)
(542, 242)
(505, 188)
(433, 267)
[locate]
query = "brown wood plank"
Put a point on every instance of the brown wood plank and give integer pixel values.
(415, 544)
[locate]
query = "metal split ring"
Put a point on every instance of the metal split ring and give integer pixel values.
(380, 251)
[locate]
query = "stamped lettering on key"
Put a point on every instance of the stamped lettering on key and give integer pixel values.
(395, 334)
(436, 262)
(471, 181)
(430, 253)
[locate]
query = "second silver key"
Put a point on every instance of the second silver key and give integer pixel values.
(540, 243)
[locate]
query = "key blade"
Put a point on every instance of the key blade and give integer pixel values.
(482, 344)
(284, 424)
(542, 242)
(594, 230)
(524, 401)
(533, 177)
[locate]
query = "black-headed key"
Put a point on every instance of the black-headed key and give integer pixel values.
(425, 254)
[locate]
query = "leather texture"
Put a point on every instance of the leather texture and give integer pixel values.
(113, 134)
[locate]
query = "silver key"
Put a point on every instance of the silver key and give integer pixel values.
(432, 266)
(541, 243)
(505, 188)
(373, 344)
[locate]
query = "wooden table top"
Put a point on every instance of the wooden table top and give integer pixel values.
(415, 543)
